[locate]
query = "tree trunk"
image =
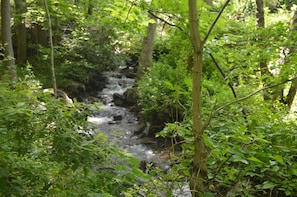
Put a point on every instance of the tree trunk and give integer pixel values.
(9, 61)
(260, 23)
(52, 48)
(146, 55)
(41, 35)
(90, 8)
(198, 166)
(21, 55)
(293, 87)
(260, 14)
(292, 93)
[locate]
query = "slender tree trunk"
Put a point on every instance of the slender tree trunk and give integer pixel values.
(293, 88)
(21, 56)
(198, 166)
(52, 49)
(6, 39)
(41, 35)
(277, 93)
(260, 23)
(260, 14)
(292, 93)
(90, 8)
(146, 55)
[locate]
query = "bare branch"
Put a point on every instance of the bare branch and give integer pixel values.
(132, 4)
(231, 87)
(216, 20)
(222, 73)
(166, 22)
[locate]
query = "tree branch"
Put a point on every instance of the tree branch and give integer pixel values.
(222, 73)
(129, 11)
(216, 20)
(231, 87)
(205, 125)
(166, 22)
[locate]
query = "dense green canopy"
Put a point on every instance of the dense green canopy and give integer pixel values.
(244, 54)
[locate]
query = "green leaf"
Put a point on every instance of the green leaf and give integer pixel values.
(133, 160)
(137, 172)
(169, 85)
(288, 193)
(254, 159)
(279, 159)
(237, 158)
(206, 194)
(268, 185)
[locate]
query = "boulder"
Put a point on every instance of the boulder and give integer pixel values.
(128, 99)
(119, 99)
(131, 96)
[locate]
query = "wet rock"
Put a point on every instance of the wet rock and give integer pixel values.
(60, 94)
(96, 83)
(91, 99)
(117, 117)
(129, 72)
(131, 96)
(74, 89)
(132, 66)
(118, 99)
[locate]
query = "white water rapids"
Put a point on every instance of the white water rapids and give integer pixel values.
(119, 124)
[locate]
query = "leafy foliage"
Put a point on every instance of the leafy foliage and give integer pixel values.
(164, 94)
(256, 160)
(46, 149)
(251, 144)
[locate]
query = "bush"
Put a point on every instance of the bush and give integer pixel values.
(164, 94)
(257, 160)
(45, 151)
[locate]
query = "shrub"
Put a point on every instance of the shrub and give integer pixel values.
(164, 94)
(45, 151)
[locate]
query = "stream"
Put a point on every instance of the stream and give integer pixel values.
(119, 125)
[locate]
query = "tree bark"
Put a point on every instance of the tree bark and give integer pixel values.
(21, 55)
(260, 23)
(146, 55)
(293, 88)
(90, 8)
(9, 61)
(292, 93)
(52, 48)
(260, 14)
(198, 166)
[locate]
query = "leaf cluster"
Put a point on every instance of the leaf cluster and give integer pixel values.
(251, 144)
(47, 148)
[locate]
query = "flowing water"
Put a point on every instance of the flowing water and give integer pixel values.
(119, 124)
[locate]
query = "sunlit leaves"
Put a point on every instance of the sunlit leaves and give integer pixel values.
(46, 149)
(129, 15)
